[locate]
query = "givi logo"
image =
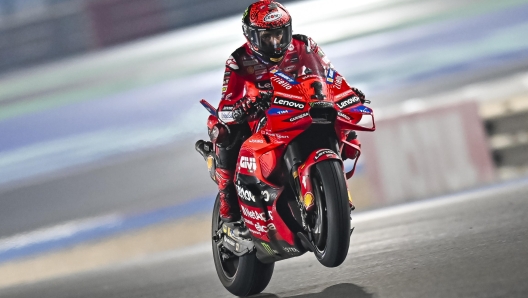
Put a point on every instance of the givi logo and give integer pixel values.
(248, 163)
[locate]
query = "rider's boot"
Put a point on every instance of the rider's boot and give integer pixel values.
(229, 207)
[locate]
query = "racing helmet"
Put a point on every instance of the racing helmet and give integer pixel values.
(267, 28)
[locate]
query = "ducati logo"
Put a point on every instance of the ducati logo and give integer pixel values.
(248, 163)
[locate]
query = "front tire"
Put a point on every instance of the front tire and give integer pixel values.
(242, 276)
(330, 219)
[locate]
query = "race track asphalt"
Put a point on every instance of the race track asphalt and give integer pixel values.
(472, 244)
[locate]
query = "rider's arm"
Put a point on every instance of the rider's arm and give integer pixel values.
(232, 90)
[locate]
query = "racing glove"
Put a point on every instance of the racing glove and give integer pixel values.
(247, 106)
(243, 108)
(360, 94)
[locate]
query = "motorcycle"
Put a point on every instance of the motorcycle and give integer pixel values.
(290, 176)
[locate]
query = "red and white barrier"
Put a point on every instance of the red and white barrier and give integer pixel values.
(427, 153)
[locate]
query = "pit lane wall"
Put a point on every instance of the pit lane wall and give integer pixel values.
(442, 150)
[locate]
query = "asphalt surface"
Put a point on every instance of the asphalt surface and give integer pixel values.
(469, 245)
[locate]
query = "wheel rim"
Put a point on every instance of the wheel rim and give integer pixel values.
(318, 215)
(229, 266)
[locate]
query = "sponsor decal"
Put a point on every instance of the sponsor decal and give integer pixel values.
(264, 85)
(268, 248)
(261, 72)
(290, 68)
(297, 118)
(226, 81)
(343, 95)
(343, 115)
(327, 152)
(277, 111)
(330, 77)
(281, 83)
(321, 104)
(259, 77)
(259, 67)
(231, 63)
(278, 136)
(294, 59)
(291, 47)
(265, 229)
(248, 163)
(250, 70)
(256, 141)
(291, 250)
(255, 215)
(272, 17)
(283, 76)
(361, 109)
(266, 196)
(227, 108)
(289, 103)
(249, 222)
(228, 97)
(224, 88)
(338, 82)
(254, 232)
(345, 103)
(308, 200)
(289, 95)
(226, 116)
(249, 62)
(245, 194)
(227, 74)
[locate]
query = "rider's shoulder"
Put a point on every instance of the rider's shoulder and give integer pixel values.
(235, 59)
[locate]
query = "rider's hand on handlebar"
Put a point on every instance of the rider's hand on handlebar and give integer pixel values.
(264, 100)
(359, 94)
(249, 105)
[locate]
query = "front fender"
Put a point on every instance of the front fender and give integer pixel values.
(304, 170)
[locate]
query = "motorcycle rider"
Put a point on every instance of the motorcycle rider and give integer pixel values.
(267, 26)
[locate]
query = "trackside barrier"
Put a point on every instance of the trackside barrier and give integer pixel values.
(506, 123)
(428, 153)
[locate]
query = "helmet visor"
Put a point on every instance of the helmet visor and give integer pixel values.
(274, 41)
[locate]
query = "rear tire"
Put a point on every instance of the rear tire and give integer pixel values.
(331, 215)
(242, 276)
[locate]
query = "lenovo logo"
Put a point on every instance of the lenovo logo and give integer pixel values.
(289, 103)
(345, 103)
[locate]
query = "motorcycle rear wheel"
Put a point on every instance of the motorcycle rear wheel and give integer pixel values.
(330, 219)
(242, 276)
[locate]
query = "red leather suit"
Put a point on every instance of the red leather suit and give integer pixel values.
(246, 76)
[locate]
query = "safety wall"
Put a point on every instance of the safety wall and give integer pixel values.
(425, 154)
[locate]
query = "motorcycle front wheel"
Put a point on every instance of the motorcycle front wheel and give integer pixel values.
(330, 219)
(242, 276)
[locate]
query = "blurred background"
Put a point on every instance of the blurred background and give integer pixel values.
(99, 114)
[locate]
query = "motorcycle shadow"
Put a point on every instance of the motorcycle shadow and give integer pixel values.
(335, 291)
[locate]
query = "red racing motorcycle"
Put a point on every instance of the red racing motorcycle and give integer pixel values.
(290, 177)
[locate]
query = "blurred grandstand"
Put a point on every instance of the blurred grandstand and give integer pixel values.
(36, 31)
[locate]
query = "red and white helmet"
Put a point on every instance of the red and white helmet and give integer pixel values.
(267, 27)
